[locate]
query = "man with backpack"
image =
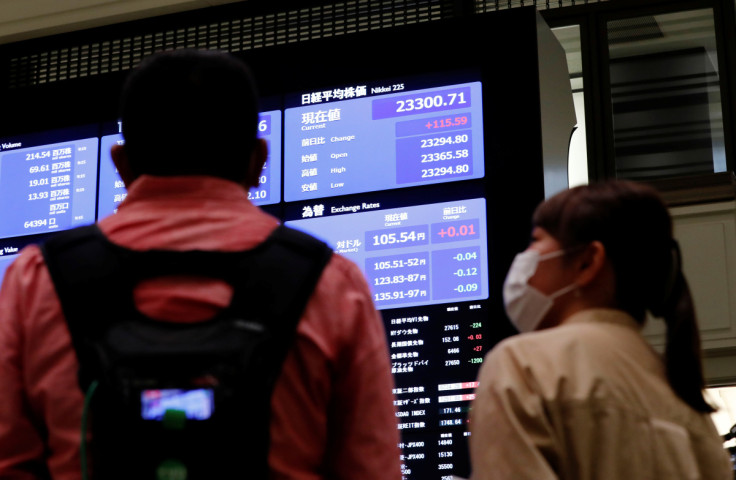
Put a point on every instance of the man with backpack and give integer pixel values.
(191, 293)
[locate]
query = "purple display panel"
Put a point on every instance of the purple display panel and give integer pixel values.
(415, 255)
(269, 188)
(50, 187)
(383, 141)
(112, 189)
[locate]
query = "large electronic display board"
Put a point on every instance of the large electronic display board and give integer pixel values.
(423, 167)
(391, 174)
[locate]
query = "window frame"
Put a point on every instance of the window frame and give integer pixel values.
(593, 20)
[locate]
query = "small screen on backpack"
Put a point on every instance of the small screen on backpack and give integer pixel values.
(198, 404)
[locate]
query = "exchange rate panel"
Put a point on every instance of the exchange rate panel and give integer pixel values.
(416, 255)
(268, 192)
(372, 138)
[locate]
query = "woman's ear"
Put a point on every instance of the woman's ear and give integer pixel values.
(591, 263)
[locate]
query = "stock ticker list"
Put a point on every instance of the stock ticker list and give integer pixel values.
(48, 188)
(426, 266)
(435, 356)
(368, 143)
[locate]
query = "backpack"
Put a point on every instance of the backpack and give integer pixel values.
(180, 400)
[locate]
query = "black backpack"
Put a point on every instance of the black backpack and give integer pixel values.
(171, 400)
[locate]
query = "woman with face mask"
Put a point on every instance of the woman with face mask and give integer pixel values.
(580, 394)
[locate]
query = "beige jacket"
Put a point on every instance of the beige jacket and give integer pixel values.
(587, 400)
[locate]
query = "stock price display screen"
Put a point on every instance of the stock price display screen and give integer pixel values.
(49, 187)
(368, 169)
(361, 143)
(45, 188)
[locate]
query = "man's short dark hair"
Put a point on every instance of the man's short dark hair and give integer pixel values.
(190, 112)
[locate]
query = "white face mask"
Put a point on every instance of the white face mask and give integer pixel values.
(525, 305)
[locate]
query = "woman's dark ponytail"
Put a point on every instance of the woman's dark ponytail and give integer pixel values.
(683, 359)
(633, 223)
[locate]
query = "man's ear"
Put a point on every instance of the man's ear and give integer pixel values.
(120, 159)
(591, 263)
(257, 159)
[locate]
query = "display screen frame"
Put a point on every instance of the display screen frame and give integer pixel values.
(423, 55)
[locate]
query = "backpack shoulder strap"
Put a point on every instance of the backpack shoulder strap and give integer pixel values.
(78, 260)
(288, 266)
(94, 279)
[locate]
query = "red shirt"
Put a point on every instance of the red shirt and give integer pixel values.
(332, 407)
